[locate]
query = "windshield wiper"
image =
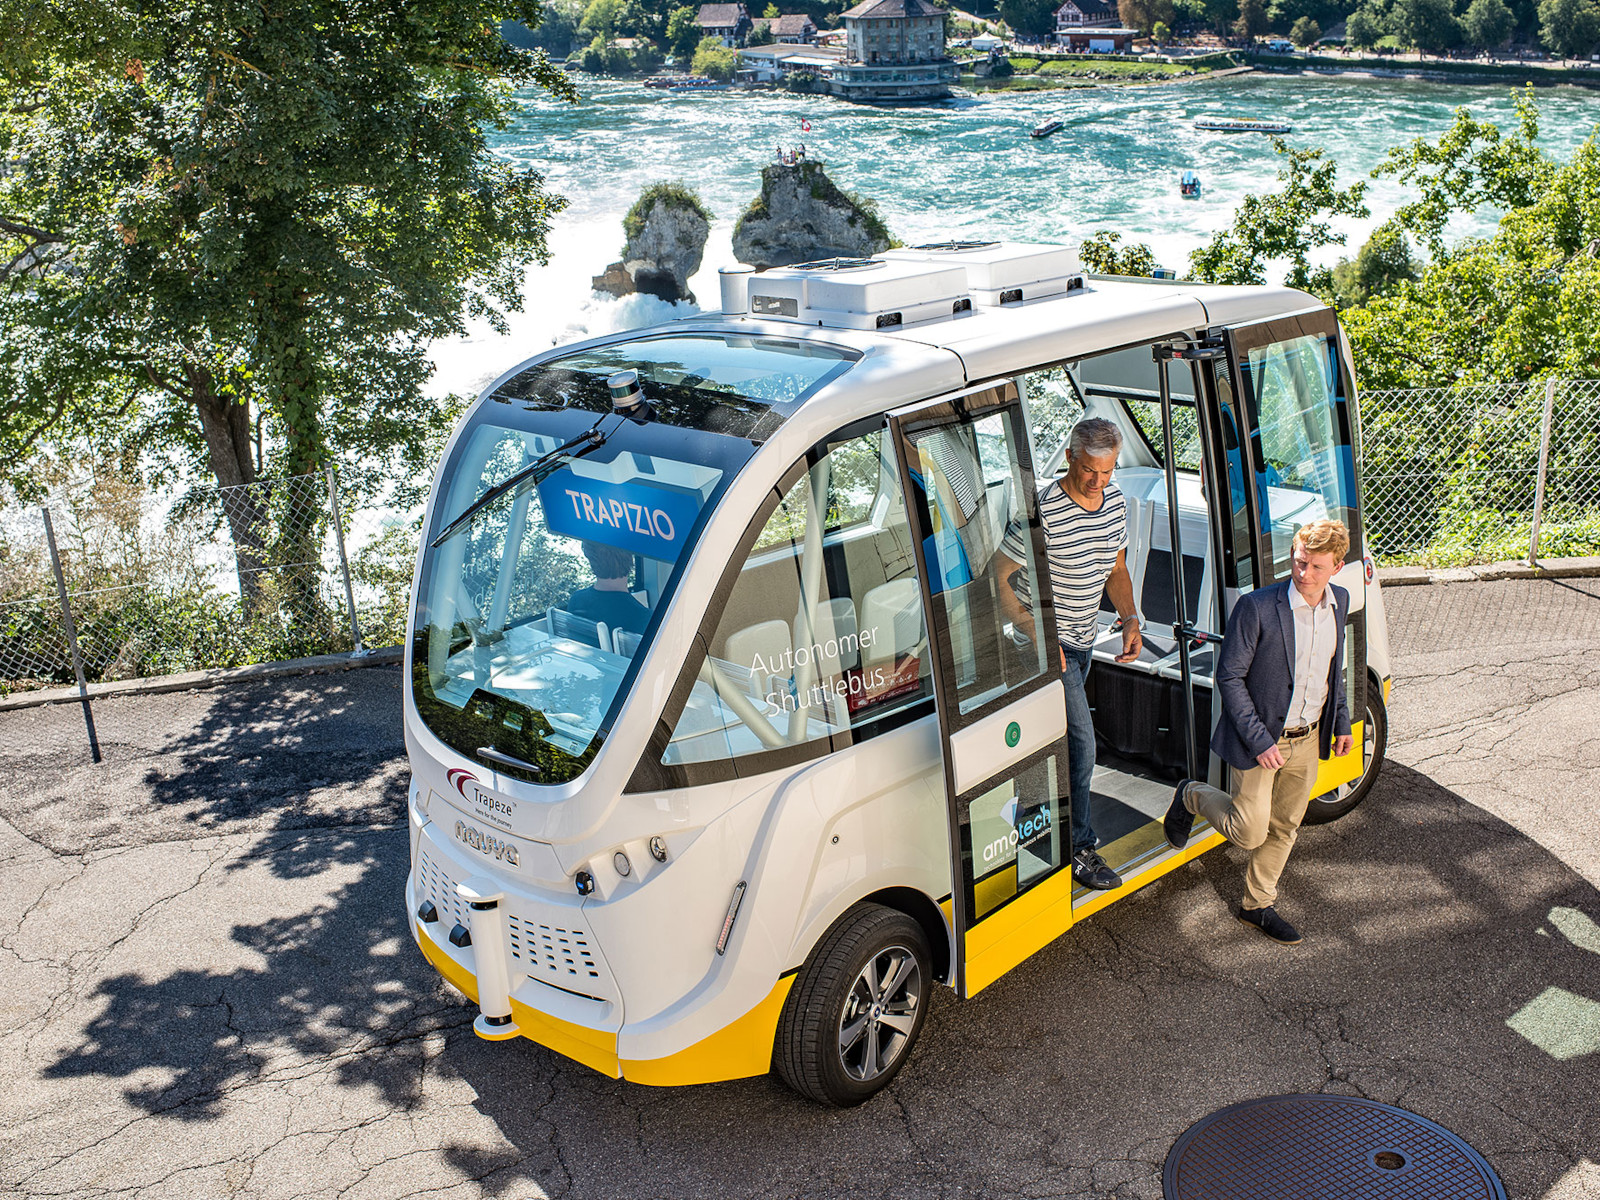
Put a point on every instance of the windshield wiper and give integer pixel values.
(545, 465)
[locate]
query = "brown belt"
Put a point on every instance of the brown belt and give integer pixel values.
(1300, 731)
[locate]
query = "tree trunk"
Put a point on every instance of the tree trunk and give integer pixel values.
(225, 424)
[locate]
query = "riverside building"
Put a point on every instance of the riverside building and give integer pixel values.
(894, 50)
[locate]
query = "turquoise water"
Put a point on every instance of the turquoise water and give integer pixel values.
(965, 168)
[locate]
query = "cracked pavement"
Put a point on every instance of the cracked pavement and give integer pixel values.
(209, 989)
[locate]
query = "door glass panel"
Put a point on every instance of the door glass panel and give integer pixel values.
(971, 489)
(1015, 835)
(1305, 469)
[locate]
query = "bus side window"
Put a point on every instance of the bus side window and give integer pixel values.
(822, 634)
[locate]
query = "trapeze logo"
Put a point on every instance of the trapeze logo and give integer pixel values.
(487, 843)
(489, 806)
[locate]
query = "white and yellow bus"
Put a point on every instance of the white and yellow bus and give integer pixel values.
(723, 750)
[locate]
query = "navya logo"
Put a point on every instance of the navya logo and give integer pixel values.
(487, 843)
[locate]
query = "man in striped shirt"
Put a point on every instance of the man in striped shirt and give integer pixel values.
(1086, 533)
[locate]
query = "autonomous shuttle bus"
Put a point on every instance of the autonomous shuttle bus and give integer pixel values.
(724, 748)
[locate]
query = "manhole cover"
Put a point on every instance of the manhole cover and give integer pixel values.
(1323, 1148)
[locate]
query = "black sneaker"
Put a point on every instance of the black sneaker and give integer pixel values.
(1179, 820)
(1270, 923)
(1089, 869)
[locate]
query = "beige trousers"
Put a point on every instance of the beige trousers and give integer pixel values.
(1263, 814)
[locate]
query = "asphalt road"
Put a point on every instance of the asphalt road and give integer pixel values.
(209, 990)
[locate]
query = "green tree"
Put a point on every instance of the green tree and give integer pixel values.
(647, 57)
(1033, 17)
(1286, 224)
(761, 34)
(714, 60)
(772, 12)
(1382, 263)
(1251, 21)
(1488, 23)
(1305, 32)
(230, 227)
(1101, 255)
(1569, 27)
(683, 33)
(1427, 25)
(1362, 30)
(1145, 15)
(1473, 164)
(1161, 33)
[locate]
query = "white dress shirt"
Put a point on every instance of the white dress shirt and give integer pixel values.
(1314, 636)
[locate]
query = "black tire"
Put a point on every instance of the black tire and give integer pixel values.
(830, 999)
(1330, 806)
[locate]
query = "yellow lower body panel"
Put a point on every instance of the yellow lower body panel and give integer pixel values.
(736, 1051)
(1334, 771)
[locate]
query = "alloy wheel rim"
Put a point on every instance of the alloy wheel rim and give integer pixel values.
(880, 1013)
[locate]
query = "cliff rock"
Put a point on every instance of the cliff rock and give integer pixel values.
(667, 229)
(802, 215)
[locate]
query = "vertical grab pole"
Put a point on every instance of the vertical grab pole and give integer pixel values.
(72, 635)
(1544, 463)
(344, 564)
(1163, 355)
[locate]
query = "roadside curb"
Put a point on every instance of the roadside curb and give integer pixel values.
(320, 664)
(1555, 568)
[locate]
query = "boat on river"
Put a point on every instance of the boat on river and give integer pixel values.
(1241, 125)
(697, 83)
(1045, 130)
(1189, 185)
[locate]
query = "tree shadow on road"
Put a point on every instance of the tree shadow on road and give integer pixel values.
(1446, 969)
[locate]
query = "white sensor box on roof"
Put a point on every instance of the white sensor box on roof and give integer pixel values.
(1003, 272)
(859, 293)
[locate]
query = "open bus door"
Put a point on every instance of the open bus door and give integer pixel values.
(1287, 429)
(968, 478)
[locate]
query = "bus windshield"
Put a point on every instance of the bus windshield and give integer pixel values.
(533, 604)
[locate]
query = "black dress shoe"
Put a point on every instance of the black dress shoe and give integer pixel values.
(1179, 820)
(1093, 872)
(1270, 923)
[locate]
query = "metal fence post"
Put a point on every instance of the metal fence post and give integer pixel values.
(344, 565)
(1544, 464)
(72, 635)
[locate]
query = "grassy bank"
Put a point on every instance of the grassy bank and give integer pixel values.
(1033, 73)
(1463, 72)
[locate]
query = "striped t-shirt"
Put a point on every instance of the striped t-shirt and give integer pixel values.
(1083, 548)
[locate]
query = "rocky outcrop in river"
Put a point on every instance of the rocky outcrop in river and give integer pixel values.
(802, 215)
(667, 228)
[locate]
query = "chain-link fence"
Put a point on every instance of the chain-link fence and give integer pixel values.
(1482, 473)
(150, 585)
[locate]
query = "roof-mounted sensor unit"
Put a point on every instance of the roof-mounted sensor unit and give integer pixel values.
(858, 293)
(1003, 272)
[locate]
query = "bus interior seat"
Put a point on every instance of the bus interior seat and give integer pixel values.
(579, 629)
(770, 641)
(835, 622)
(625, 642)
(893, 612)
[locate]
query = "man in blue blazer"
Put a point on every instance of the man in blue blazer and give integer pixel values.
(1281, 682)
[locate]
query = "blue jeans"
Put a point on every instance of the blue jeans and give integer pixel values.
(1080, 744)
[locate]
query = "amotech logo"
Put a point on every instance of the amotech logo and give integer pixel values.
(487, 843)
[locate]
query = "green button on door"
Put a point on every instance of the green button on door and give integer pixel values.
(1013, 735)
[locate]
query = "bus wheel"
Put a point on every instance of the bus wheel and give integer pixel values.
(1330, 806)
(851, 1018)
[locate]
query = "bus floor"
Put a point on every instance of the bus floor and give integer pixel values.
(1126, 812)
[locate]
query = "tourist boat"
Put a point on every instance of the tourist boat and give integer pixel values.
(1241, 125)
(1189, 185)
(698, 83)
(1045, 130)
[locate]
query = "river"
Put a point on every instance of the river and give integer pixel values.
(965, 168)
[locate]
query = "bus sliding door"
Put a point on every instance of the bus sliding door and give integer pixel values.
(969, 485)
(1288, 381)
